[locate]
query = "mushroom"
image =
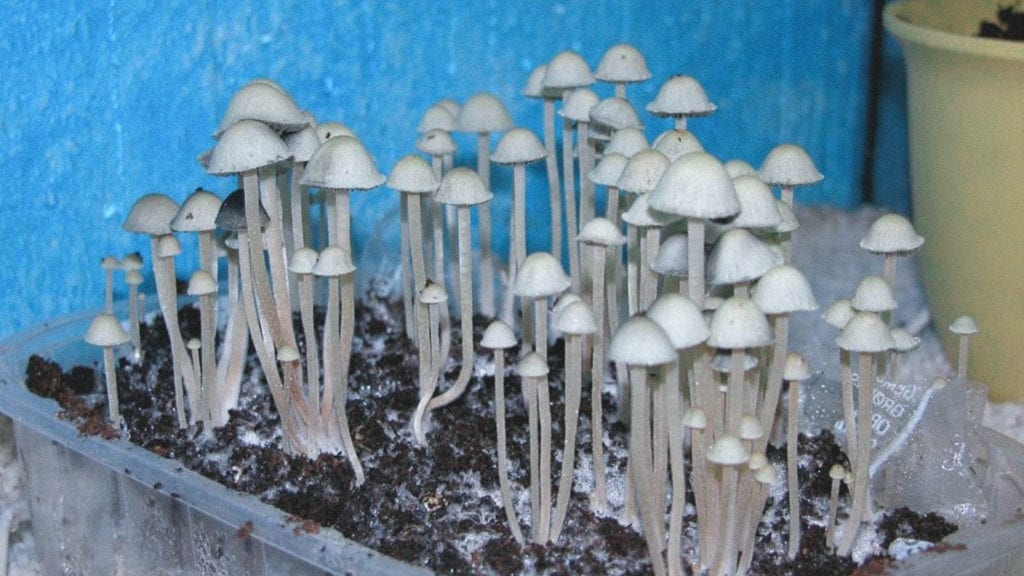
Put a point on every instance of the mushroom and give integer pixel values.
(676, 143)
(533, 371)
(484, 114)
(620, 65)
(438, 144)
(788, 166)
(705, 490)
(132, 266)
(784, 231)
(837, 315)
(765, 477)
(301, 147)
(600, 235)
(836, 473)
(462, 188)
(964, 327)
(265, 102)
(612, 114)
(109, 264)
(739, 258)
(575, 321)
(796, 371)
(606, 174)
(643, 345)
(729, 453)
(627, 141)
(640, 176)
(437, 117)
(903, 342)
(681, 97)
(106, 332)
(498, 337)
(302, 263)
(430, 298)
(671, 263)
(737, 168)
(576, 108)
(167, 248)
(891, 236)
(517, 148)
(202, 284)
(540, 277)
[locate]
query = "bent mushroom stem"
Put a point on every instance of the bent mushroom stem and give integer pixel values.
(573, 392)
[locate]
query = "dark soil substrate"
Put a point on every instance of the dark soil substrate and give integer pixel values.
(437, 506)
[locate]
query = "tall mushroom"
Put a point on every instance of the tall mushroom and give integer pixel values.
(106, 332)
(676, 143)
(431, 299)
(796, 371)
(517, 148)
(132, 266)
(964, 327)
(891, 236)
(533, 371)
(540, 277)
(576, 108)
(679, 98)
(788, 166)
(622, 64)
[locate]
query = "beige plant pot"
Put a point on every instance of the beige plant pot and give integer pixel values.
(966, 122)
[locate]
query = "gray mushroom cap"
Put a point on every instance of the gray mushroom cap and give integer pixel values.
(498, 336)
(838, 314)
(483, 113)
(673, 257)
(758, 208)
(728, 451)
(168, 246)
(436, 142)
(739, 256)
(615, 114)
(540, 275)
(892, 234)
(601, 231)
(964, 326)
(518, 146)
(333, 129)
(696, 186)
(266, 103)
(432, 293)
(342, 163)
(622, 64)
(796, 369)
(695, 418)
(736, 168)
(333, 261)
(681, 96)
(231, 216)
(532, 366)
(201, 283)
(865, 332)
(608, 170)
(642, 172)
(766, 475)
(106, 331)
(303, 261)
(676, 143)
(413, 175)
(789, 165)
(641, 341)
(739, 323)
(784, 290)
(787, 222)
(462, 187)
(151, 214)
(681, 320)
(627, 141)
(198, 213)
(288, 353)
(436, 117)
(535, 85)
(302, 144)
(873, 294)
(578, 103)
(750, 428)
(903, 341)
(641, 215)
(576, 319)
(567, 70)
(722, 362)
(247, 145)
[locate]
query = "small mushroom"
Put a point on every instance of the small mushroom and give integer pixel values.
(837, 315)
(576, 108)
(892, 236)
(964, 327)
(622, 64)
(679, 98)
(430, 299)
(202, 284)
(109, 264)
(729, 453)
(836, 473)
(517, 148)
(676, 143)
(106, 332)
(533, 370)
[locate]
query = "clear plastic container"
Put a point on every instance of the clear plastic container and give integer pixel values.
(107, 507)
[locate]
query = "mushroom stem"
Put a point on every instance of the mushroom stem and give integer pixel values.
(236, 343)
(532, 421)
(598, 499)
(861, 485)
(572, 226)
(773, 390)
(341, 398)
(573, 392)
(551, 162)
(483, 168)
(305, 289)
(833, 512)
(544, 416)
(677, 462)
(499, 421)
(133, 320)
(648, 278)
(163, 274)
(641, 466)
(963, 350)
(409, 285)
(695, 260)
(792, 481)
(430, 369)
(110, 373)
(849, 417)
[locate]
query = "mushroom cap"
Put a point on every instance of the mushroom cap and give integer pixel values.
(303, 261)
(535, 85)
(342, 163)
(622, 64)
(673, 257)
(695, 418)
(540, 275)
(133, 277)
(413, 175)
(873, 294)
(964, 326)
(750, 428)
(201, 283)
(681, 96)
(302, 144)
(676, 143)
(722, 362)
(739, 256)
(837, 472)
(231, 216)
(333, 129)
(766, 475)
(194, 344)
(483, 113)
(681, 320)
(784, 290)
(626, 141)
(576, 319)
(696, 186)
(892, 234)
(865, 332)
(432, 293)
(577, 105)
(757, 460)
(728, 451)
(641, 341)
(796, 369)
(643, 170)
(615, 114)
(641, 215)
(436, 117)
(567, 70)
(106, 331)
(532, 366)
(245, 146)
(518, 146)
(198, 213)
(563, 301)
(608, 170)
(739, 323)
(601, 232)
(110, 263)
(462, 187)
(266, 103)
(838, 314)
(498, 336)
(131, 262)
(939, 382)
(758, 208)
(288, 353)
(451, 105)
(903, 341)
(787, 221)
(789, 165)
(737, 167)
(151, 214)
(333, 261)
(168, 246)
(436, 142)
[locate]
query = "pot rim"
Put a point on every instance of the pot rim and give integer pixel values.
(895, 18)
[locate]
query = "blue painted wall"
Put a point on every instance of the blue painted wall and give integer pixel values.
(103, 102)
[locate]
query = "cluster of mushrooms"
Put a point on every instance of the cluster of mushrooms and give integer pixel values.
(677, 299)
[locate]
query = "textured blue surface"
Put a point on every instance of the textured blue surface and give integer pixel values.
(105, 101)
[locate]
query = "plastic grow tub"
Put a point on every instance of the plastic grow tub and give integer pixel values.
(109, 507)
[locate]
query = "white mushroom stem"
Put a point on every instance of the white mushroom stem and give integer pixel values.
(780, 325)
(585, 151)
(614, 258)
(544, 417)
(133, 320)
(108, 290)
(571, 224)
(439, 267)
(727, 542)
(110, 373)
(633, 251)
(695, 260)
(531, 385)
(430, 369)
(705, 496)
(409, 286)
(849, 417)
(419, 268)
(677, 462)
(301, 236)
(483, 168)
(305, 289)
(792, 481)
(963, 350)
(573, 392)
(861, 484)
(166, 292)
(833, 512)
(236, 343)
(598, 499)
(208, 349)
(641, 467)
(499, 421)
(341, 397)
(551, 162)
